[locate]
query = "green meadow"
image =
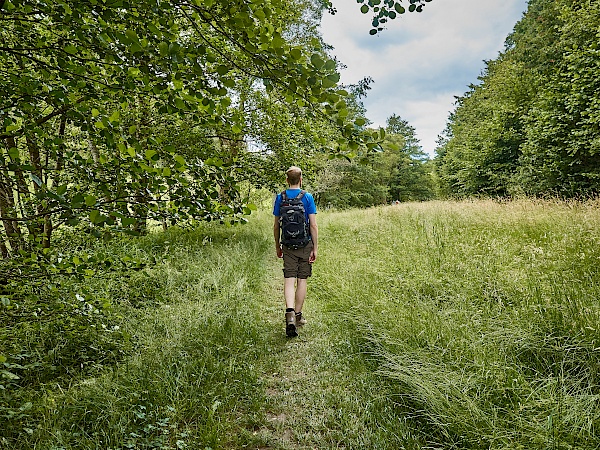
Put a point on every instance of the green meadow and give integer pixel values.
(437, 325)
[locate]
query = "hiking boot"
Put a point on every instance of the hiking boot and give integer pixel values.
(290, 324)
(300, 320)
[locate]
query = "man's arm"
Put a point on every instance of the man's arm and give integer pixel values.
(276, 235)
(314, 234)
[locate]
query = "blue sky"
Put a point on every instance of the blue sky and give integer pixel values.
(421, 61)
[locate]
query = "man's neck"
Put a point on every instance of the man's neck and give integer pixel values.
(294, 186)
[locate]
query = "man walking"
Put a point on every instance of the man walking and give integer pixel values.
(296, 240)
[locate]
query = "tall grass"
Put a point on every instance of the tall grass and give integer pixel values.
(192, 376)
(466, 325)
(483, 316)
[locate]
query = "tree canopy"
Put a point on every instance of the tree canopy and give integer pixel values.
(531, 124)
(401, 171)
(86, 86)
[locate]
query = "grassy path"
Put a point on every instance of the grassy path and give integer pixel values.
(320, 391)
(308, 384)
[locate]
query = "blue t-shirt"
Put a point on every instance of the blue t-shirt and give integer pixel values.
(307, 200)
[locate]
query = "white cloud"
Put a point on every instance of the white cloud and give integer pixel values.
(421, 61)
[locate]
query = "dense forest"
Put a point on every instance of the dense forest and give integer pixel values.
(531, 126)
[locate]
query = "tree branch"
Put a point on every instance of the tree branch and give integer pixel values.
(46, 118)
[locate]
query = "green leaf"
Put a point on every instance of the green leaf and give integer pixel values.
(180, 104)
(178, 84)
(36, 179)
(330, 64)
(61, 190)
(277, 42)
(128, 221)
(77, 201)
(399, 8)
(163, 49)
(71, 49)
(14, 153)
(8, 5)
(328, 83)
(364, 9)
(215, 162)
(316, 60)
(132, 35)
(133, 72)
(147, 168)
(90, 200)
(295, 54)
(115, 117)
(96, 217)
(335, 77)
(136, 48)
(9, 375)
(122, 38)
(95, 112)
(150, 154)
(222, 69)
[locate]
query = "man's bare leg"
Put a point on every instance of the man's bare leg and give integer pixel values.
(300, 294)
(289, 292)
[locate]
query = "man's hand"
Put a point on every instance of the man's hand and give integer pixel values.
(313, 256)
(279, 252)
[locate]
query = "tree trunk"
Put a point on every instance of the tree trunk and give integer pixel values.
(60, 157)
(94, 152)
(36, 226)
(8, 212)
(3, 249)
(140, 207)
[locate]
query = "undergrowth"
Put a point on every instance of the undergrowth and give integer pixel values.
(183, 371)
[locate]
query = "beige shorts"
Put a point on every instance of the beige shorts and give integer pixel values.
(295, 262)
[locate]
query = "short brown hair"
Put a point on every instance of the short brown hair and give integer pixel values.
(293, 175)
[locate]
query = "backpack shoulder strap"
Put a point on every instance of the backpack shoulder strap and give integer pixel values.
(301, 194)
(284, 196)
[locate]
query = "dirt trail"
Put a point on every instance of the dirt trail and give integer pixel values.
(290, 375)
(315, 398)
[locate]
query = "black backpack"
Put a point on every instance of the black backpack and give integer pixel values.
(292, 221)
